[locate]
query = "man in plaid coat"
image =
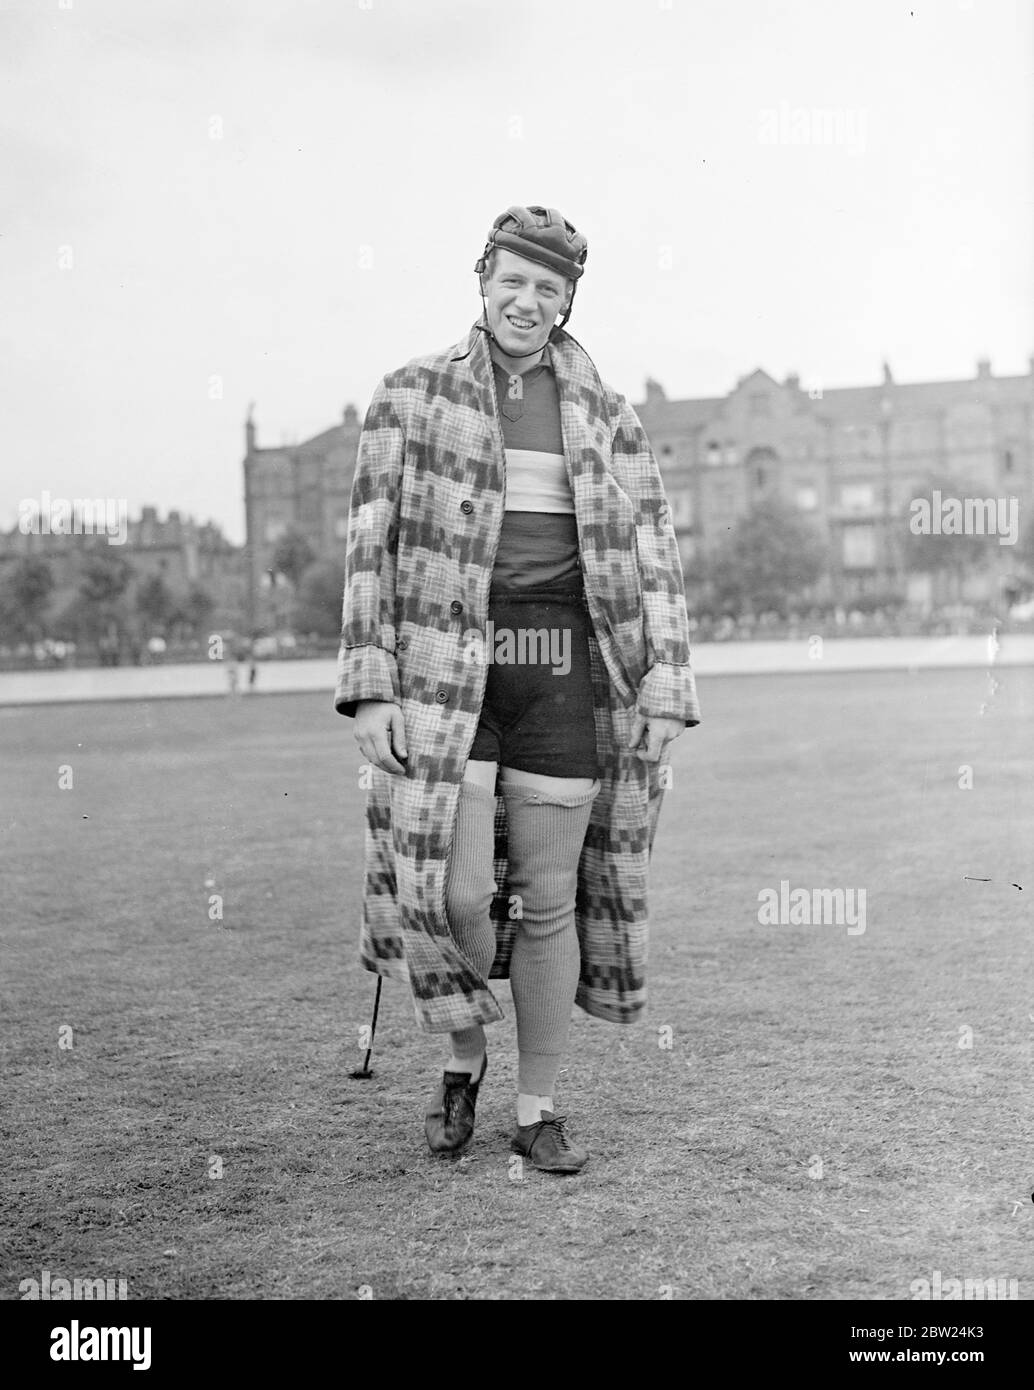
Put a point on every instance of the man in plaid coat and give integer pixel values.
(515, 654)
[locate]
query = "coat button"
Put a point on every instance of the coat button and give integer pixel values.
(442, 696)
(402, 644)
(455, 606)
(466, 506)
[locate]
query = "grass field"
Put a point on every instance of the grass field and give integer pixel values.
(818, 1129)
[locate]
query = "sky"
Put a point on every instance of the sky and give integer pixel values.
(208, 203)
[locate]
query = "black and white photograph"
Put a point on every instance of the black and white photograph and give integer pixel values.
(517, 668)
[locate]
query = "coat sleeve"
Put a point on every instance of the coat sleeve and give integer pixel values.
(367, 668)
(668, 689)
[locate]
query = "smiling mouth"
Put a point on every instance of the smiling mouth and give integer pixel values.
(523, 325)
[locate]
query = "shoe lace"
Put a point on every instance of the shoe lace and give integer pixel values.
(450, 1104)
(556, 1124)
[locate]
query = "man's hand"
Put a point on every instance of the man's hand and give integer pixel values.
(658, 733)
(379, 731)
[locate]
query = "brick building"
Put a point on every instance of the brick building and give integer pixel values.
(851, 458)
(303, 486)
(177, 548)
(186, 554)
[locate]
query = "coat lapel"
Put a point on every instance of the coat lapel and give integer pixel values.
(583, 411)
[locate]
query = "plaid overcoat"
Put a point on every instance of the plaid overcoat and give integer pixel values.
(424, 524)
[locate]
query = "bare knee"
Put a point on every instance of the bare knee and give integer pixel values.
(481, 772)
(554, 786)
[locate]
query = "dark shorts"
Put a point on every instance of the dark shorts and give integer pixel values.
(538, 713)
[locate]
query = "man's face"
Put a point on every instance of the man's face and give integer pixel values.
(523, 301)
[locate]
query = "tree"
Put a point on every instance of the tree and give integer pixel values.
(24, 597)
(154, 601)
(318, 605)
(930, 548)
(195, 610)
(104, 577)
(1023, 551)
(293, 556)
(771, 556)
(99, 609)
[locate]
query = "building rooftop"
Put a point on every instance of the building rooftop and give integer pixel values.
(906, 398)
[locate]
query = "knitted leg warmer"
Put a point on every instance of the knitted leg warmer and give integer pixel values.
(546, 834)
(469, 888)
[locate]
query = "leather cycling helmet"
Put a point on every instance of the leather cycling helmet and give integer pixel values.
(542, 235)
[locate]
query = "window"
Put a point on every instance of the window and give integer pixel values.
(274, 530)
(731, 453)
(807, 497)
(714, 452)
(859, 547)
(341, 527)
(856, 497)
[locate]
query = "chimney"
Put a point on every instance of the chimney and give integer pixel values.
(983, 369)
(249, 429)
(350, 416)
(888, 380)
(793, 381)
